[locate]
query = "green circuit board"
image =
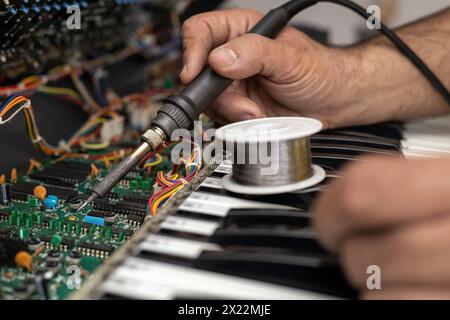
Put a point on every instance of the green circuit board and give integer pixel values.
(68, 246)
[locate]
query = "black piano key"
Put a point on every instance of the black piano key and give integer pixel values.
(111, 296)
(300, 272)
(377, 143)
(251, 216)
(332, 162)
(182, 235)
(319, 273)
(348, 150)
(217, 174)
(198, 215)
(301, 240)
(389, 130)
(268, 216)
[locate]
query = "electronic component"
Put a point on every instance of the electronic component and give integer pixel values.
(51, 201)
(5, 193)
(40, 192)
(97, 250)
(23, 260)
(74, 257)
(94, 220)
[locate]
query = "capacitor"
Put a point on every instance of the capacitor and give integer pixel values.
(56, 241)
(73, 257)
(134, 184)
(110, 217)
(33, 202)
(74, 203)
(145, 185)
(24, 233)
(5, 193)
(33, 243)
(53, 266)
(23, 260)
(98, 221)
(53, 255)
(39, 219)
(51, 201)
(40, 192)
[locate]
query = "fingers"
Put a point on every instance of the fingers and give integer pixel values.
(373, 195)
(412, 255)
(252, 54)
(408, 293)
(206, 31)
(232, 106)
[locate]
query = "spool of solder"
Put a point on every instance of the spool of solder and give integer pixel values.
(270, 155)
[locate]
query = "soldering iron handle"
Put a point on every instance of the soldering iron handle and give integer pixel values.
(182, 109)
(209, 85)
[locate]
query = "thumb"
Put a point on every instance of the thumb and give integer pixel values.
(252, 55)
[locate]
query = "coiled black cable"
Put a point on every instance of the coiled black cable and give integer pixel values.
(295, 6)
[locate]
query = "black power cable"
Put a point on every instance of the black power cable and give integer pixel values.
(294, 7)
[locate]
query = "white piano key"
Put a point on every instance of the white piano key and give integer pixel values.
(427, 138)
(218, 205)
(149, 279)
(182, 248)
(136, 289)
(181, 224)
(211, 182)
(225, 167)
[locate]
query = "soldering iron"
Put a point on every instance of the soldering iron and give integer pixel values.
(180, 110)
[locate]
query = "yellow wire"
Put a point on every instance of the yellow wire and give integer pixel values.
(165, 196)
(157, 162)
(56, 90)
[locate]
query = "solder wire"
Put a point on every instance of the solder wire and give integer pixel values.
(285, 162)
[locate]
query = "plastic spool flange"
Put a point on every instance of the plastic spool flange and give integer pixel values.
(286, 128)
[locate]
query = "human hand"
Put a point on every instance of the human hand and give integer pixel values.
(290, 76)
(394, 214)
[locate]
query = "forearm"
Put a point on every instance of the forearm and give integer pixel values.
(386, 86)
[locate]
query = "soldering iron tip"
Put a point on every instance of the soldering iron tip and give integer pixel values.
(88, 200)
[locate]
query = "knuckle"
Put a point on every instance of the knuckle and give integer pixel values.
(191, 25)
(188, 25)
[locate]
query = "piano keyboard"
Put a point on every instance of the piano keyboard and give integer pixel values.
(218, 245)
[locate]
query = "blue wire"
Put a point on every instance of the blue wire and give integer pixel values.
(7, 102)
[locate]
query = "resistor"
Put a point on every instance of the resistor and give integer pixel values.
(14, 175)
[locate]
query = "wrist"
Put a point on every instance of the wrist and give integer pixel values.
(380, 84)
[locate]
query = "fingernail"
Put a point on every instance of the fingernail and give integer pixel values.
(226, 56)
